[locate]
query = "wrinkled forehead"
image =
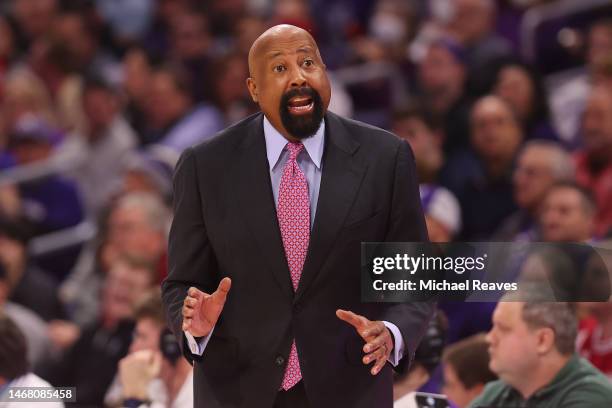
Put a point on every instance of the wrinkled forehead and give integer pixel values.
(279, 44)
(285, 48)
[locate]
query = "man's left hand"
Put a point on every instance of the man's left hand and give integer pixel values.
(378, 338)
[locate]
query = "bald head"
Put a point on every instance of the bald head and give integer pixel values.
(288, 80)
(272, 35)
(491, 103)
(496, 132)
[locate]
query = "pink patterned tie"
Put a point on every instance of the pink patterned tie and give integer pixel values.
(294, 220)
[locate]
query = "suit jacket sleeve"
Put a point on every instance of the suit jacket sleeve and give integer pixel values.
(191, 259)
(407, 224)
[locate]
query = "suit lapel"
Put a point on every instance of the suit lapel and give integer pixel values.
(254, 193)
(341, 177)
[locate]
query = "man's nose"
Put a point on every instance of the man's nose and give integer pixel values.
(298, 80)
(489, 337)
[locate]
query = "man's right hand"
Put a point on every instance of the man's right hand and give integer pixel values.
(201, 310)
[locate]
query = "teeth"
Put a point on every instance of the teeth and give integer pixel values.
(303, 108)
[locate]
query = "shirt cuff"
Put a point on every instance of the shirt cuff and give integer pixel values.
(197, 346)
(398, 349)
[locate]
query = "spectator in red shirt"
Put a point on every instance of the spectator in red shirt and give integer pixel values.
(594, 161)
(595, 336)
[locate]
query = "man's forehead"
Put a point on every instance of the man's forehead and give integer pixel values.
(490, 106)
(508, 311)
(280, 37)
(280, 40)
(276, 51)
(566, 195)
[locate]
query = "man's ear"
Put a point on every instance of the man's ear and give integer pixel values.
(546, 340)
(250, 82)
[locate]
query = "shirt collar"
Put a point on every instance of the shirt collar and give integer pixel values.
(275, 143)
(565, 373)
(571, 367)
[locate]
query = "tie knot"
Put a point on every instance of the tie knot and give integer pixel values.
(294, 149)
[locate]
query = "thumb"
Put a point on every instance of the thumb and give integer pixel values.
(221, 293)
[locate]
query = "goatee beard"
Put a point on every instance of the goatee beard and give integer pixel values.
(301, 126)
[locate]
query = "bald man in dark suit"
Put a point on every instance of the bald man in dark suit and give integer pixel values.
(263, 291)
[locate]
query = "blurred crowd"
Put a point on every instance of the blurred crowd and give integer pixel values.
(510, 123)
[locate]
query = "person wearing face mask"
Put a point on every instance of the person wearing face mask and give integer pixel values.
(263, 290)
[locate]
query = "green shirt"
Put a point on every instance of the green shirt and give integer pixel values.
(577, 385)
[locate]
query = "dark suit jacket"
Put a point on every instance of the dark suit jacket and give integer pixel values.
(225, 225)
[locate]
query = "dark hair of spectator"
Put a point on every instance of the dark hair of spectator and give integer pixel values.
(97, 83)
(13, 350)
(84, 14)
(605, 23)
(416, 111)
(10, 26)
(540, 109)
(454, 48)
(588, 199)
(469, 358)
(133, 262)
(149, 306)
(15, 231)
(220, 66)
(180, 78)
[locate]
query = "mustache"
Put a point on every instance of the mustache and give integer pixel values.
(301, 126)
(305, 91)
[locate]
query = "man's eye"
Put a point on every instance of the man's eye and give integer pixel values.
(308, 62)
(279, 68)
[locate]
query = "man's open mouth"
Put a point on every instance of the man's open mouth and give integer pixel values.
(300, 105)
